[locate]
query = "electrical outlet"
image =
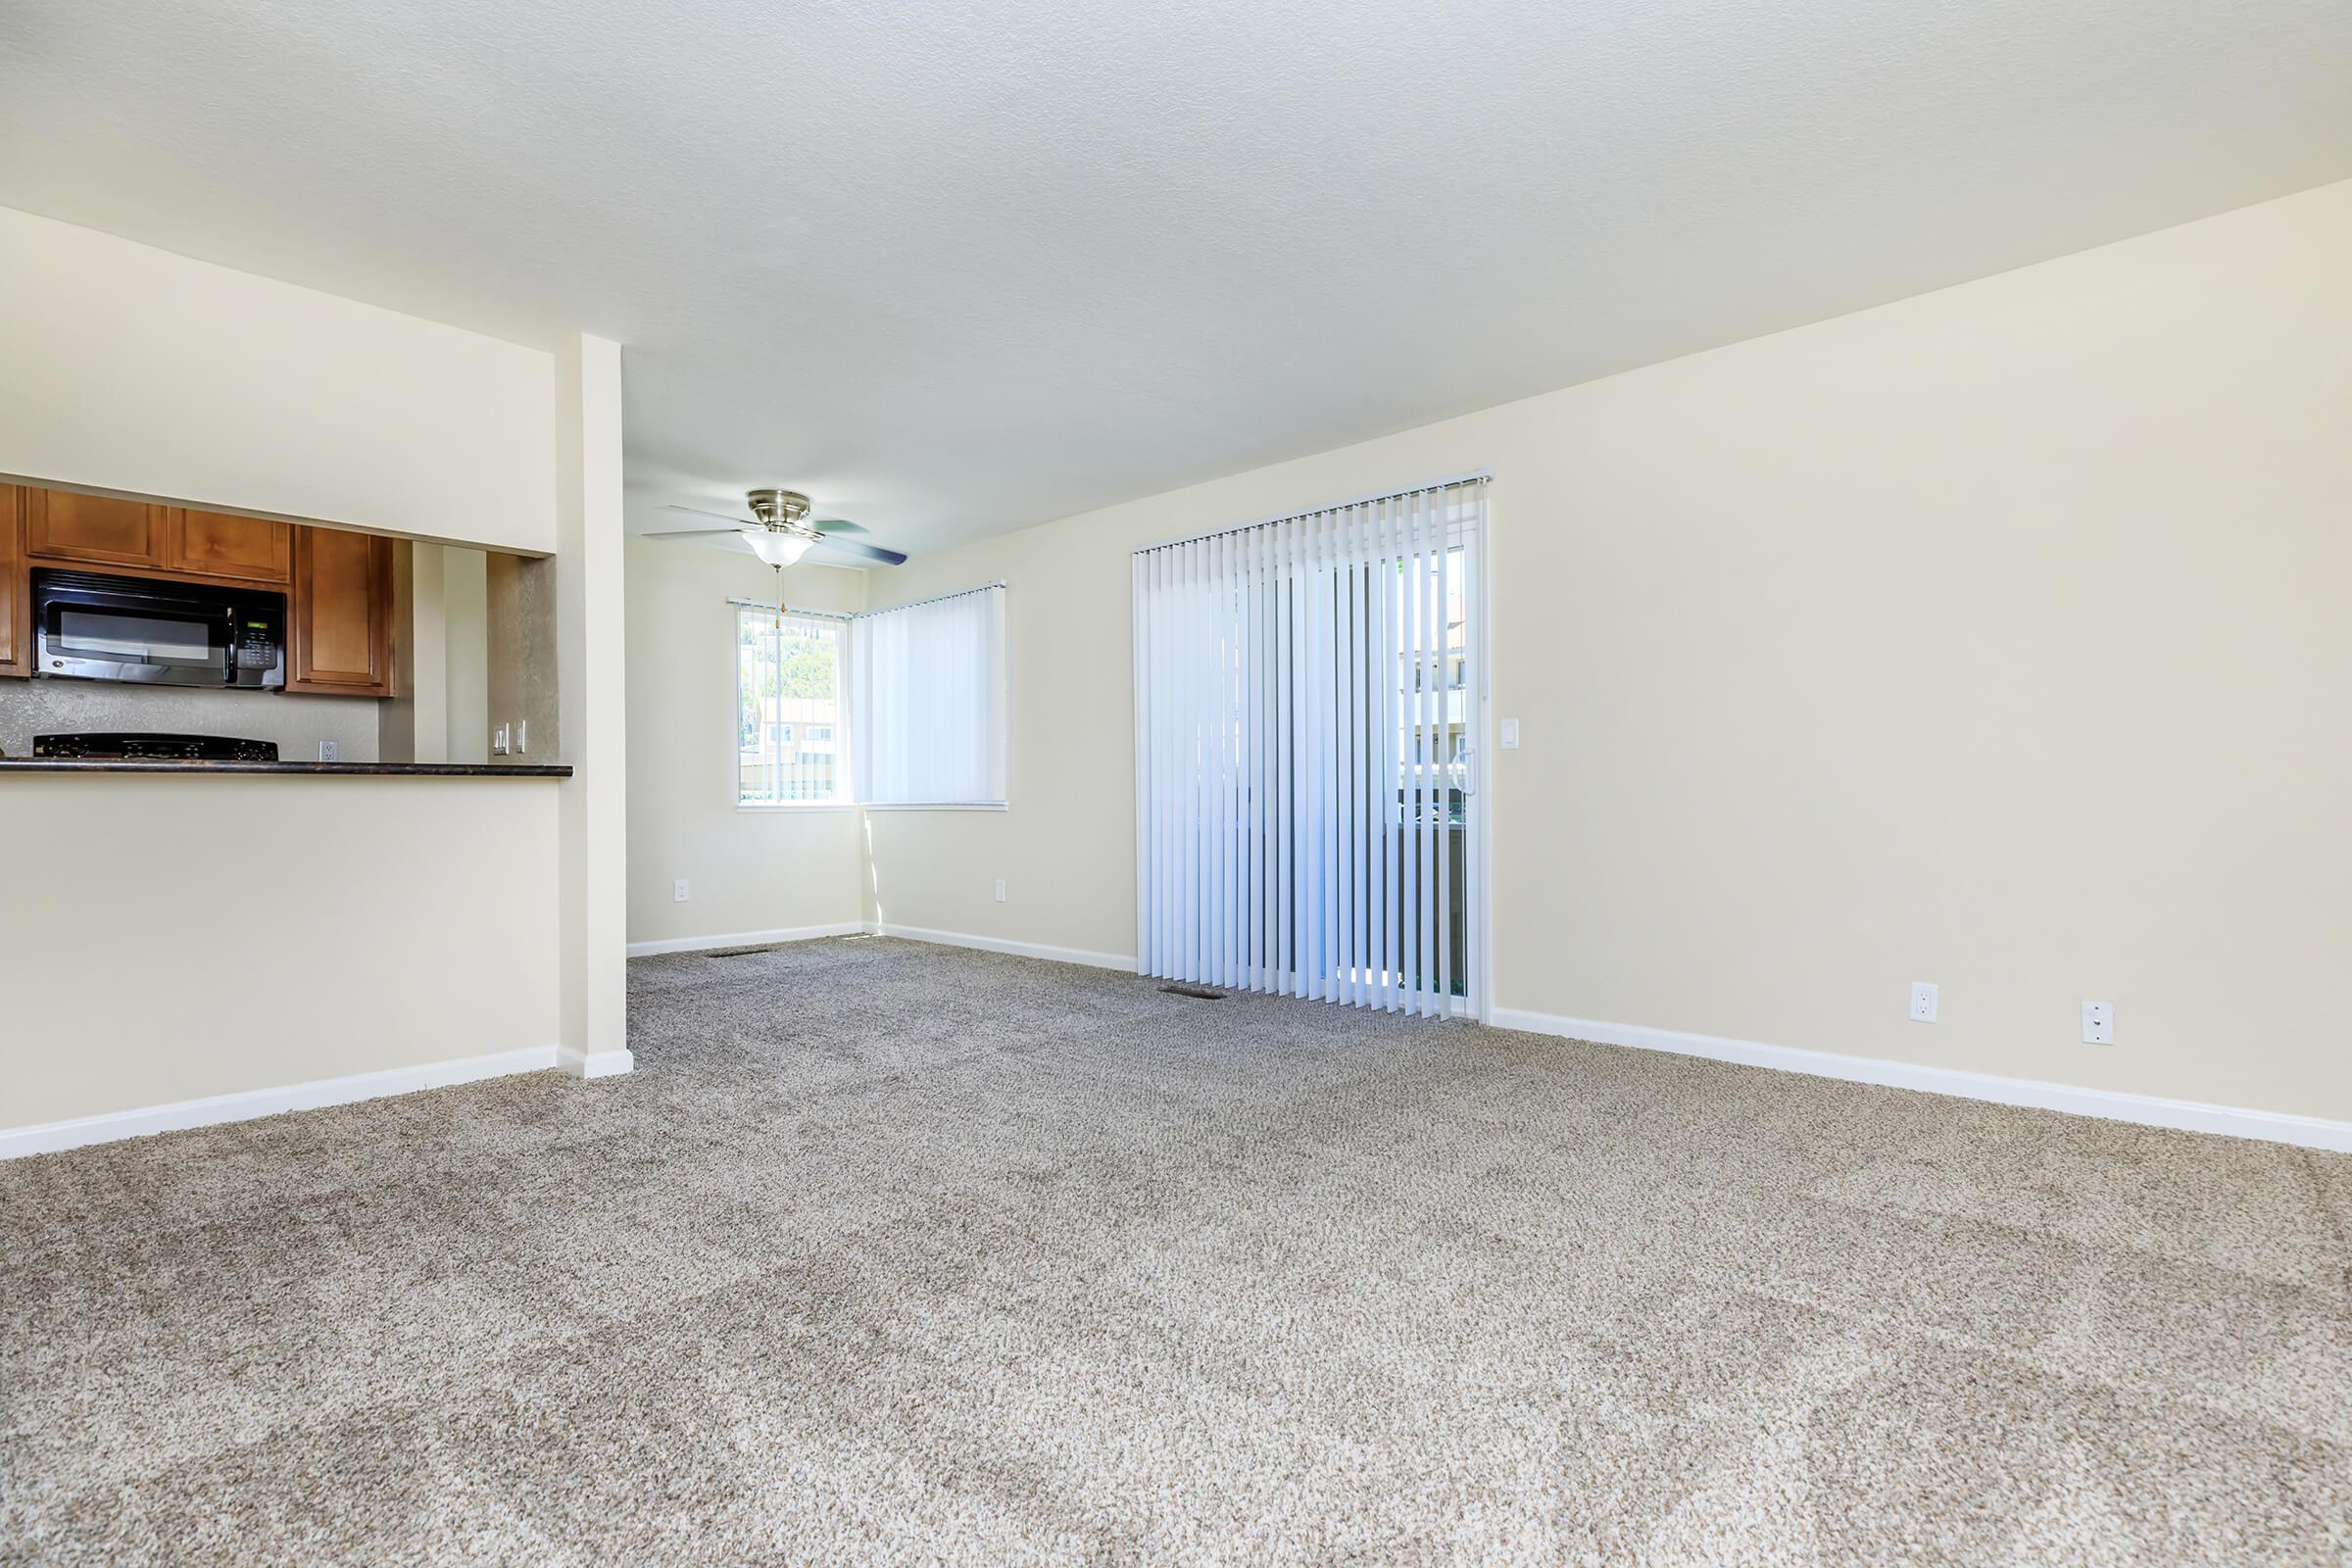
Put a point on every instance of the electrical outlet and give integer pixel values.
(680, 891)
(1000, 890)
(1923, 1002)
(327, 751)
(2098, 1023)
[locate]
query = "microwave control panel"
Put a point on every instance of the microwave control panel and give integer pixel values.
(257, 645)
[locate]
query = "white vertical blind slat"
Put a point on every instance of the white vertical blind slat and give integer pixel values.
(1150, 668)
(1335, 644)
(1424, 832)
(1365, 582)
(1327, 604)
(1196, 774)
(1141, 676)
(1215, 821)
(1244, 750)
(1383, 598)
(1314, 813)
(1327, 754)
(1163, 677)
(1286, 725)
(1434, 701)
(1445, 772)
(1180, 773)
(1346, 663)
(1258, 975)
(1408, 861)
(1179, 783)
(1233, 753)
(1362, 845)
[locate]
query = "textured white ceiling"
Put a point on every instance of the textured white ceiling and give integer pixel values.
(954, 268)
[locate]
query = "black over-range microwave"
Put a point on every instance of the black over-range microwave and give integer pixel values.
(92, 627)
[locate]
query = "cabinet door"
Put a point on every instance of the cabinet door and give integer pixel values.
(214, 544)
(15, 591)
(341, 609)
(60, 525)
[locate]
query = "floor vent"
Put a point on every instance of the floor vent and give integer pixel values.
(1203, 993)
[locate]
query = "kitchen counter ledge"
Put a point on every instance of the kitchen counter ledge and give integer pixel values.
(89, 765)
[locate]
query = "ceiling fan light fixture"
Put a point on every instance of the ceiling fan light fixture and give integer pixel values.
(779, 549)
(778, 531)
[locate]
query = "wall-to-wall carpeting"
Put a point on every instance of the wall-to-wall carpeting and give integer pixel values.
(894, 1252)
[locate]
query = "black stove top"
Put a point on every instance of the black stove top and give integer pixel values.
(118, 746)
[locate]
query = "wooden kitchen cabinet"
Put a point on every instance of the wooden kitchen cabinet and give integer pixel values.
(168, 541)
(16, 590)
(215, 544)
(339, 613)
(101, 531)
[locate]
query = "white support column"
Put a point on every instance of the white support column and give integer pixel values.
(592, 686)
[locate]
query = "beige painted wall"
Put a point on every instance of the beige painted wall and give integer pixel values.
(403, 921)
(414, 724)
(132, 369)
(587, 603)
(464, 612)
(750, 870)
(1996, 638)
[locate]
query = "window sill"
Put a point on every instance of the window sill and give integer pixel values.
(938, 806)
(792, 807)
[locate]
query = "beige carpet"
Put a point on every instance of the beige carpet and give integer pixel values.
(900, 1253)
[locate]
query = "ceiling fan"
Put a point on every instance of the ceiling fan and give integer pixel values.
(779, 532)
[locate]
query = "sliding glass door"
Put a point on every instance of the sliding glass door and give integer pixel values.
(1307, 762)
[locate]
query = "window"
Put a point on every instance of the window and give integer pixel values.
(788, 693)
(929, 711)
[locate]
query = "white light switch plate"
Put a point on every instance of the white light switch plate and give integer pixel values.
(1923, 1002)
(1000, 890)
(2098, 1023)
(1511, 734)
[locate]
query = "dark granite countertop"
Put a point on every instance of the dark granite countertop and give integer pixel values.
(81, 765)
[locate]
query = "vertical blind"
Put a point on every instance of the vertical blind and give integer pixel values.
(1293, 800)
(927, 705)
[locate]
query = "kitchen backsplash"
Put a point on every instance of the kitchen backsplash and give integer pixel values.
(29, 708)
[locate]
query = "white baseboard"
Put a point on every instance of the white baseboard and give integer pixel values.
(596, 1064)
(2272, 1126)
(115, 1124)
(745, 939)
(1026, 950)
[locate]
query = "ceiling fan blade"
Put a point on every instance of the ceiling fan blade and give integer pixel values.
(866, 553)
(688, 533)
(838, 525)
(722, 517)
